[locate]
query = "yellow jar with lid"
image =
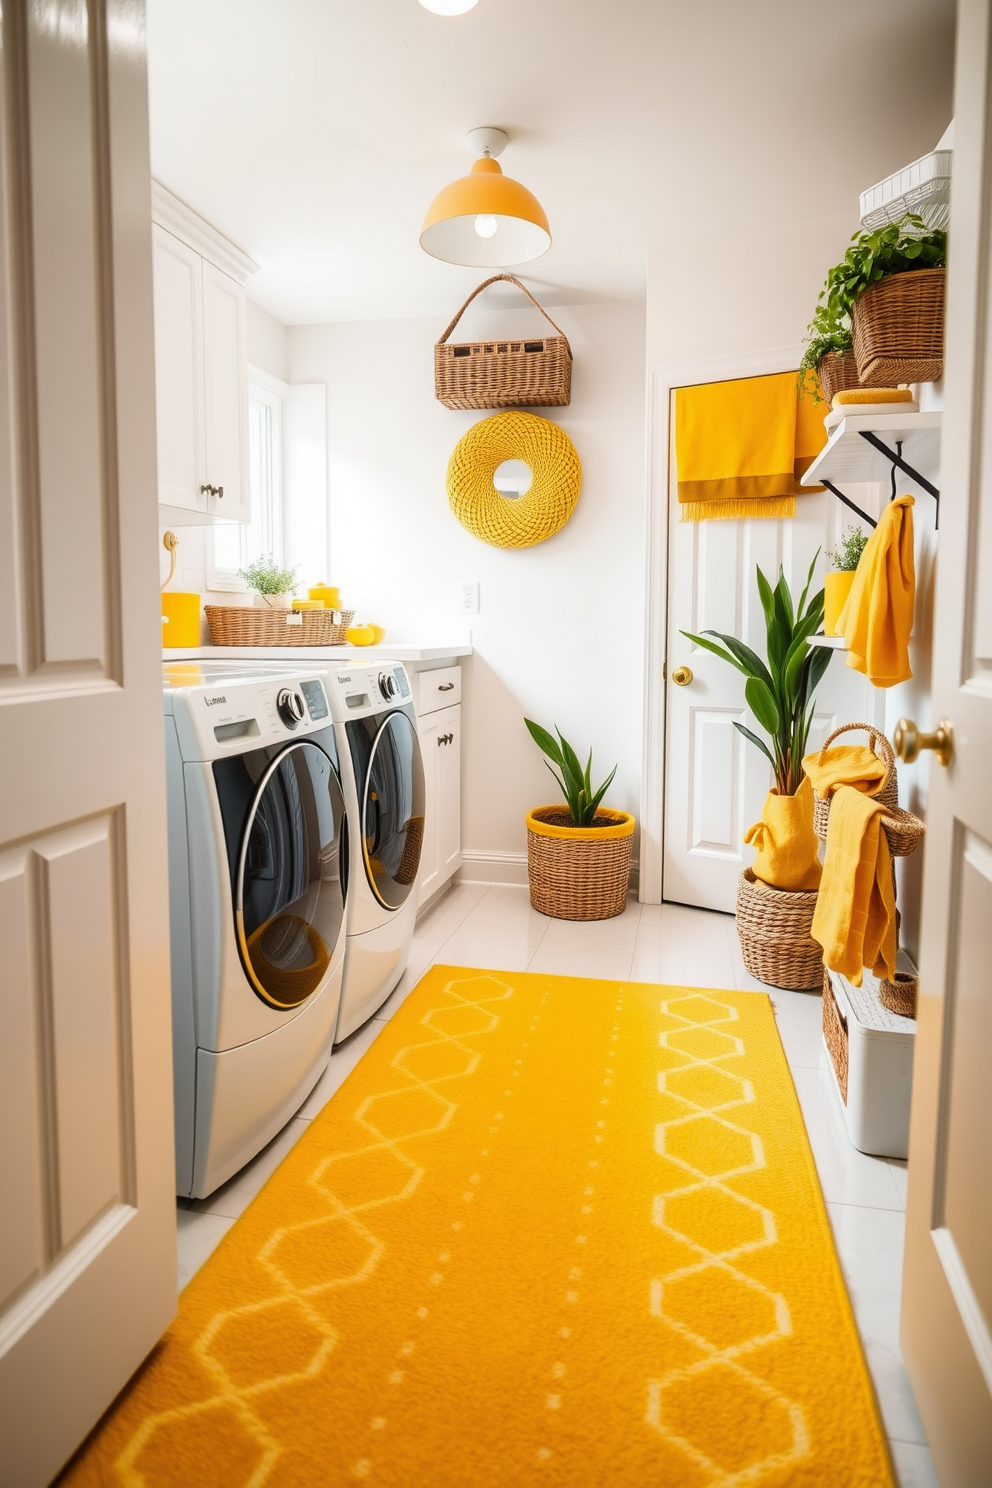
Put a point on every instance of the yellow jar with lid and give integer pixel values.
(328, 594)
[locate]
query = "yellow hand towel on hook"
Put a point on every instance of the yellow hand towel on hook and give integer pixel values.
(855, 916)
(741, 447)
(877, 620)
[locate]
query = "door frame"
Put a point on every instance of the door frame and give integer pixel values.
(661, 383)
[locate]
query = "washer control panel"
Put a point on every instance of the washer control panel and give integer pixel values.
(363, 690)
(239, 712)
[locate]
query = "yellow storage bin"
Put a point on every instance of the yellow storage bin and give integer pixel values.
(329, 593)
(180, 619)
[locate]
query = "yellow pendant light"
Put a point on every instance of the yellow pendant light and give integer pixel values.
(485, 220)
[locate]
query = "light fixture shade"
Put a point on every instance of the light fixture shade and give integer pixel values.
(450, 233)
(449, 7)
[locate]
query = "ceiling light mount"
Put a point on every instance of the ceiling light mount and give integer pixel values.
(486, 141)
(485, 219)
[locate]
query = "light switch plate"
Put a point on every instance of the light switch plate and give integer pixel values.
(469, 592)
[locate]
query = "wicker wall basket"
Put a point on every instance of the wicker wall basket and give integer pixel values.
(237, 625)
(898, 329)
(773, 926)
(578, 873)
(903, 830)
(838, 372)
(503, 374)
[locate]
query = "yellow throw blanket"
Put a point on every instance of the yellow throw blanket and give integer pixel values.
(845, 764)
(786, 842)
(877, 620)
(855, 916)
(743, 446)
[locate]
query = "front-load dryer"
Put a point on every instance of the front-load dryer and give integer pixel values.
(257, 853)
(383, 778)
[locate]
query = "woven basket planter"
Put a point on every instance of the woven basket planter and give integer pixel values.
(578, 873)
(903, 830)
(773, 926)
(838, 372)
(897, 327)
(899, 994)
(503, 374)
(237, 625)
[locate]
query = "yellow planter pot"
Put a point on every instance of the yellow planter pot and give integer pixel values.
(836, 588)
(180, 619)
(578, 873)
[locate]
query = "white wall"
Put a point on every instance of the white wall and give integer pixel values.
(559, 636)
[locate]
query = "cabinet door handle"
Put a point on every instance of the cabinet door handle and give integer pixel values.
(445, 686)
(220, 492)
(212, 491)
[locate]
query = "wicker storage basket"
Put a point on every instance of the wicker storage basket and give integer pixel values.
(899, 994)
(837, 371)
(773, 926)
(903, 830)
(835, 1034)
(503, 374)
(578, 873)
(897, 327)
(237, 625)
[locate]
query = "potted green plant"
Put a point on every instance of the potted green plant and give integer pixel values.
(827, 365)
(837, 584)
(578, 854)
(273, 585)
(888, 289)
(773, 923)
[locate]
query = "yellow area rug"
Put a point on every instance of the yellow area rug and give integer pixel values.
(550, 1231)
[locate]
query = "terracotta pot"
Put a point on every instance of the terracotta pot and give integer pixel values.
(836, 588)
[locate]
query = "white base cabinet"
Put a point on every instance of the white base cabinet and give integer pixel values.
(440, 734)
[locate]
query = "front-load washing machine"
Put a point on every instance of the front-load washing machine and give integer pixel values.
(257, 854)
(383, 778)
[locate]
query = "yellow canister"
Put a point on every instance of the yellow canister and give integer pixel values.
(329, 594)
(180, 619)
(836, 588)
(308, 604)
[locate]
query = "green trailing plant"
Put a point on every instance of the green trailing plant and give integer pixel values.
(266, 577)
(898, 248)
(575, 783)
(781, 692)
(846, 556)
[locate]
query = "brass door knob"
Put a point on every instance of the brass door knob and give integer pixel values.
(682, 676)
(907, 741)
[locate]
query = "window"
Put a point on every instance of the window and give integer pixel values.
(236, 544)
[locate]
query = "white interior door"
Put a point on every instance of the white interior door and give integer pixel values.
(947, 1283)
(715, 781)
(87, 1250)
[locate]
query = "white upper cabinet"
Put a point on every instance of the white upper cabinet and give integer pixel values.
(201, 367)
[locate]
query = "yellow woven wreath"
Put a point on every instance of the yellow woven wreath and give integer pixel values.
(543, 509)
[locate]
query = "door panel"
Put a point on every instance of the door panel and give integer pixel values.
(715, 782)
(947, 1277)
(225, 358)
(178, 372)
(87, 1259)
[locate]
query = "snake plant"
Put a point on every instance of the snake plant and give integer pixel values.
(780, 693)
(576, 784)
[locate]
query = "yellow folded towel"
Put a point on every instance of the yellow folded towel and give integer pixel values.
(877, 620)
(872, 395)
(845, 764)
(786, 842)
(741, 447)
(855, 916)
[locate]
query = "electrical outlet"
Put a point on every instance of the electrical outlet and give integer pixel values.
(469, 592)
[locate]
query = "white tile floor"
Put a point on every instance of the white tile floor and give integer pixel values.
(494, 926)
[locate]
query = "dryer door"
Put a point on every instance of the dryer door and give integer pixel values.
(393, 811)
(288, 894)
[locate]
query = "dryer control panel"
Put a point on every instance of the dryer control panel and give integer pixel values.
(237, 711)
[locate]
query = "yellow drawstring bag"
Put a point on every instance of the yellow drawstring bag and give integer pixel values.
(786, 842)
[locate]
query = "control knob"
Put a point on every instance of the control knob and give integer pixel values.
(386, 685)
(291, 707)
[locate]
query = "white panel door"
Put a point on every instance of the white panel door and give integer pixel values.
(947, 1280)
(715, 781)
(179, 373)
(225, 373)
(87, 1216)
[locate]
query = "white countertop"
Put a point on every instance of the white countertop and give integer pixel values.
(421, 651)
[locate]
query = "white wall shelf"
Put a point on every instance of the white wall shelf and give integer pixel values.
(830, 643)
(850, 457)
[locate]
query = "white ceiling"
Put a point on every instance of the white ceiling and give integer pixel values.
(314, 133)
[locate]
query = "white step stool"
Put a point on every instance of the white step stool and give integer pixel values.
(871, 1055)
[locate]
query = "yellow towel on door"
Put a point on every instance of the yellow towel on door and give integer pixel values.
(846, 764)
(786, 842)
(877, 620)
(855, 916)
(742, 446)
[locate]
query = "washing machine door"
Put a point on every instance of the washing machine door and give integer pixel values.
(393, 811)
(288, 892)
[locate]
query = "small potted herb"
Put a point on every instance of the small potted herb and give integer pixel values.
(578, 854)
(837, 585)
(273, 585)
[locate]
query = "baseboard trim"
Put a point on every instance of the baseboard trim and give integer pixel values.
(507, 868)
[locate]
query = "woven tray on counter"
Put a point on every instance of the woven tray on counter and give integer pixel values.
(243, 625)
